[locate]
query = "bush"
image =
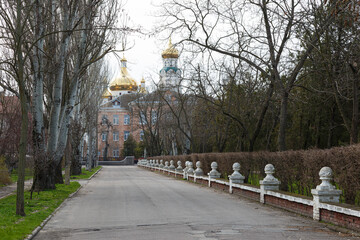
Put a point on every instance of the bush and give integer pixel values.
(4, 173)
(298, 171)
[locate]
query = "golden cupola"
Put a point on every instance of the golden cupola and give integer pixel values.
(124, 82)
(170, 52)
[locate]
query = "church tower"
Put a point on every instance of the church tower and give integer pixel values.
(170, 73)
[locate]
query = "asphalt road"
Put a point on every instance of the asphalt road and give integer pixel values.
(131, 203)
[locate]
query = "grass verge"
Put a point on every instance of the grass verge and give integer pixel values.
(28, 175)
(37, 210)
(85, 174)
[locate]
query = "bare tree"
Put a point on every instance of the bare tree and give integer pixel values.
(13, 17)
(266, 43)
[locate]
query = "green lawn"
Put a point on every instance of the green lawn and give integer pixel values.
(14, 176)
(37, 210)
(28, 175)
(85, 174)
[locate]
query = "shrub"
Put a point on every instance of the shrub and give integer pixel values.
(4, 173)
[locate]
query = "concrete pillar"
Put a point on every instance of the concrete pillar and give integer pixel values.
(214, 173)
(325, 192)
(269, 183)
(185, 169)
(190, 170)
(179, 169)
(198, 171)
(172, 167)
(161, 165)
(236, 177)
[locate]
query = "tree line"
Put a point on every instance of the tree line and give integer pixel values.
(260, 75)
(52, 59)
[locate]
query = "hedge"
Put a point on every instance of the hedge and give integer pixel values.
(298, 171)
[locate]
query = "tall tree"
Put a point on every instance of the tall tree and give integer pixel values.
(265, 44)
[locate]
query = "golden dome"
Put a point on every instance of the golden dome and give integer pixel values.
(124, 82)
(170, 52)
(143, 80)
(106, 93)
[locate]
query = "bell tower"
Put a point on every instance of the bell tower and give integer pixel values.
(170, 73)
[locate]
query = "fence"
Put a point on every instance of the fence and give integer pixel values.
(324, 205)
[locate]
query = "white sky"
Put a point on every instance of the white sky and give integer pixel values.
(144, 58)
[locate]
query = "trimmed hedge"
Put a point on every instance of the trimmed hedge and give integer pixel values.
(298, 171)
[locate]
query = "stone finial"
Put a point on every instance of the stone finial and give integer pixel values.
(179, 168)
(326, 176)
(172, 167)
(166, 165)
(236, 177)
(190, 169)
(198, 171)
(186, 166)
(326, 192)
(214, 173)
(161, 165)
(269, 182)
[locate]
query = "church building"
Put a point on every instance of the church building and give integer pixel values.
(116, 119)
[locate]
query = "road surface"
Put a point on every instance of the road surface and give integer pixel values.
(127, 202)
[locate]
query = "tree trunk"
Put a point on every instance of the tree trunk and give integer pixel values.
(261, 117)
(44, 176)
(283, 121)
(67, 162)
(355, 111)
(89, 151)
(58, 173)
(20, 205)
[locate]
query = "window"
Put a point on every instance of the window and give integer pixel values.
(116, 119)
(116, 136)
(116, 104)
(126, 119)
(142, 135)
(142, 118)
(153, 117)
(116, 153)
(126, 135)
(103, 136)
(104, 119)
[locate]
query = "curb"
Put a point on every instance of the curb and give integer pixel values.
(94, 174)
(37, 230)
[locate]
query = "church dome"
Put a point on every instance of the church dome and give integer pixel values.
(170, 52)
(124, 82)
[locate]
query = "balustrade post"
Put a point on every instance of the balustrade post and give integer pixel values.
(325, 192)
(269, 183)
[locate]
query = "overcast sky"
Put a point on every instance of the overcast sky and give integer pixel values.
(144, 58)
